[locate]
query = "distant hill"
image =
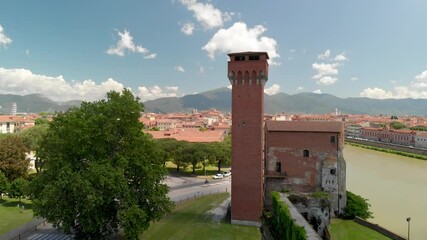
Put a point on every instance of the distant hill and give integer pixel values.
(220, 99)
(297, 103)
(33, 103)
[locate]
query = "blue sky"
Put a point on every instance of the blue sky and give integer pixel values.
(81, 49)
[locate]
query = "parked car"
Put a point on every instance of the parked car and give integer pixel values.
(226, 174)
(218, 176)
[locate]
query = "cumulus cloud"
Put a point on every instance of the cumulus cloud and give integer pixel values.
(300, 88)
(22, 82)
(187, 28)
(4, 39)
(416, 89)
(340, 57)
(179, 69)
(149, 93)
(324, 55)
(274, 89)
(324, 69)
(126, 43)
(327, 80)
(205, 13)
(240, 38)
(318, 91)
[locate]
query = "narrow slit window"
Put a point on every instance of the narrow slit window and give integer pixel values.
(332, 139)
(278, 167)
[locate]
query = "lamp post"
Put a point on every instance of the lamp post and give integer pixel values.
(409, 225)
(204, 166)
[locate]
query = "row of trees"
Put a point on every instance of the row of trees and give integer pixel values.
(183, 153)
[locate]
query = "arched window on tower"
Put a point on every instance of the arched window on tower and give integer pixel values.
(306, 153)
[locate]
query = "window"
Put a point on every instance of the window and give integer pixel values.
(278, 167)
(239, 58)
(332, 139)
(333, 171)
(253, 57)
(306, 153)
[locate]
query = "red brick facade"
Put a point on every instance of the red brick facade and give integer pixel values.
(247, 73)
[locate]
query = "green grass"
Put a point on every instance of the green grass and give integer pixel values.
(13, 216)
(191, 220)
(350, 230)
(188, 171)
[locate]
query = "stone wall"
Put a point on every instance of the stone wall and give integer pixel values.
(388, 146)
(379, 229)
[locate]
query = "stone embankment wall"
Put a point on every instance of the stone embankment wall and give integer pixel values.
(379, 229)
(388, 146)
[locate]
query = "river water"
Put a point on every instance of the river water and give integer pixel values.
(396, 187)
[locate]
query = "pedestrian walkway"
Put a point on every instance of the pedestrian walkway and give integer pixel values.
(47, 232)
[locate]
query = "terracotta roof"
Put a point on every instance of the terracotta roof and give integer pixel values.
(292, 126)
(190, 135)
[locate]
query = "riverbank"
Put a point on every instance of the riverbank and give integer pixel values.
(386, 148)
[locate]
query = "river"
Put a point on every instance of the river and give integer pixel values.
(396, 187)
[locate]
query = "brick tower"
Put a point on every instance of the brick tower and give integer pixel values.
(248, 73)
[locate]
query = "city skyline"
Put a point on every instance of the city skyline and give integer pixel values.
(80, 50)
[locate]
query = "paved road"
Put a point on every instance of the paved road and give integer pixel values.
(181, 189)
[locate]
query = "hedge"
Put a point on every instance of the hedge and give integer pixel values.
(281, 223)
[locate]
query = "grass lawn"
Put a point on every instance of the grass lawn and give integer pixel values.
(13, 216)
(191, 220)
(350, 230)
(188, 171)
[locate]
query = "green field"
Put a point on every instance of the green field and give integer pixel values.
(350, 230)
(191, 220)
(13, 216)
(210, 170)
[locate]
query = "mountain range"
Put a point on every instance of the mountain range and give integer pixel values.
(220, 99)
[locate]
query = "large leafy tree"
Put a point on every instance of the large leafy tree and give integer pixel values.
(13, 159)
(18, 188)
(101, 172)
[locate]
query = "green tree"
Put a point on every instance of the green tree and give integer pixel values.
(33, 137)
(41, 121)
(13, 159)
(357, 206)
(397, 125)
(18, 188)
(221, 152)
(4, 184)
(102, 173)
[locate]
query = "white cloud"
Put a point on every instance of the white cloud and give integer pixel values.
(126, 44)
(187, 28)
(150, 56)
(327, 80)
(4, 39)
(23, 82)
(324, 55)
(416, 89)
(201, 69)
(292, 50)
(340, 57)
(318, 91)
(324, 69)
(353, 79)
(209, 16)
(230, 86)
(149, 93)
(300, 88)
(422, 77)
(179, 69)
(274, 89)
(27, 52)
(239, 38)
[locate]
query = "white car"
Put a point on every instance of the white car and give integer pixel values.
(226, 174)
(218, 176)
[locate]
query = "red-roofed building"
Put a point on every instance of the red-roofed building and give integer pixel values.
(190, 135)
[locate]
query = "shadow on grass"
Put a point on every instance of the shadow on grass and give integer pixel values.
(13, 202)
